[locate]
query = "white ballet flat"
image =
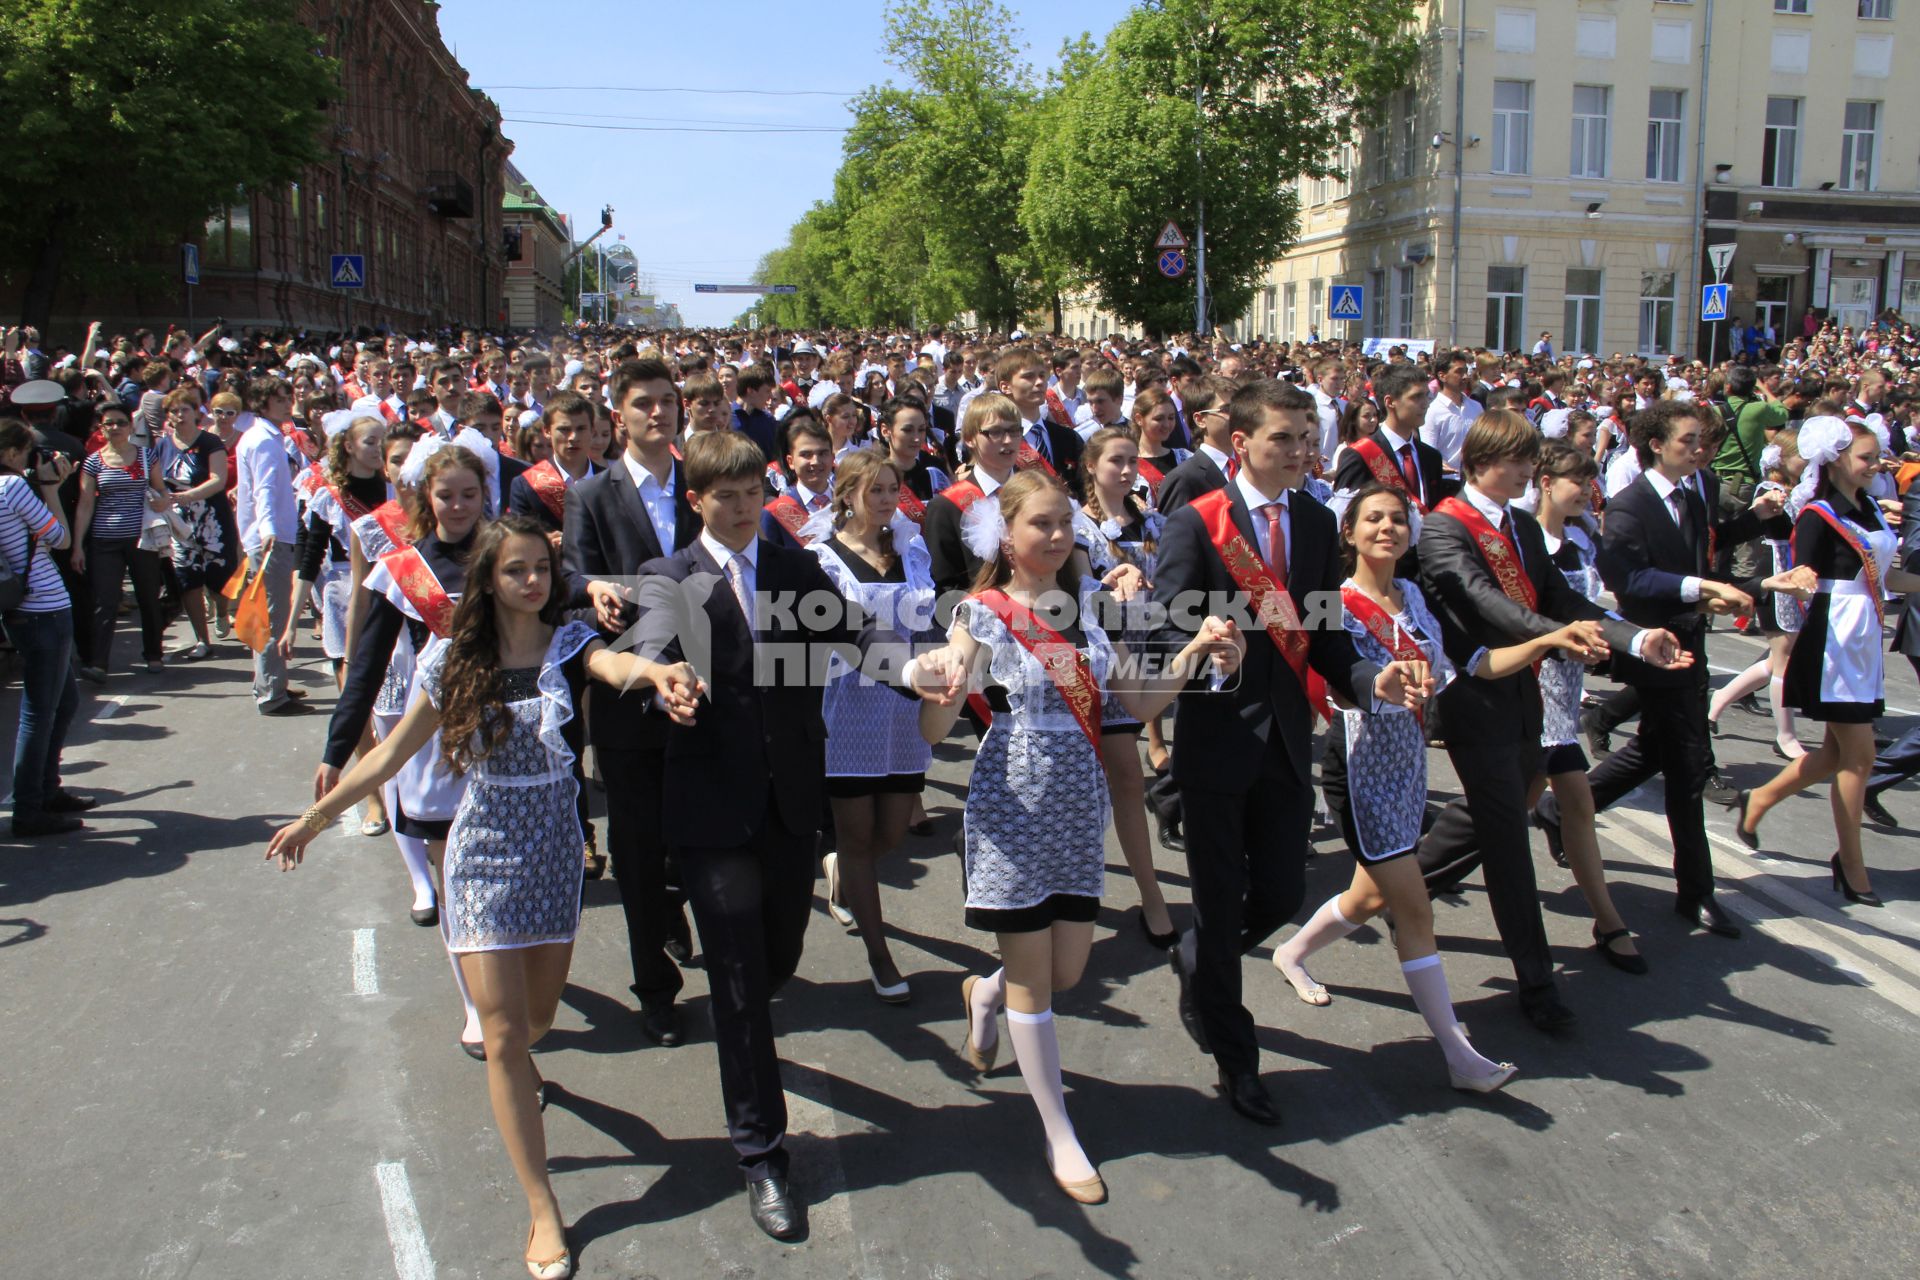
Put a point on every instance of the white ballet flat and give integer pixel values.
(898, 993)
(1313, 993)
(1482, 1084)
(831, 864)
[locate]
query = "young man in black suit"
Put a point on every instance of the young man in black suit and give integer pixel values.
(1206, 470)
(1243, 753)
(1487, 578)
(1022, 375)
(1654, 557)
(745, 772)
(1395, 454)
(616, 521)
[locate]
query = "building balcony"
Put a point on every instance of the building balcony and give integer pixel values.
(449, 195)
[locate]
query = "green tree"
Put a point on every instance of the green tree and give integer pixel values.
(128, 124)
(1118, 149)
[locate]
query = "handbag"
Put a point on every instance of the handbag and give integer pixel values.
(13, 586)
(250, 624)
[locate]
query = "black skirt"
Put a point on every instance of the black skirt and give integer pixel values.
(1072, 907)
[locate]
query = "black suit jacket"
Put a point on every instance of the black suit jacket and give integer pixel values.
(1222, 734)
(1474, 613)
(953, 565)
(607, 535)
(1065, 446)
(759, 737)
(1196, 476)
(1906, 631)
(1352, 472)
(1644, 558)
(511, 469)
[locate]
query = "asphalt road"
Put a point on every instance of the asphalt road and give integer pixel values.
(215, 1070)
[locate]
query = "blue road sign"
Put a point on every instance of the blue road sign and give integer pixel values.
(1348, 302)
(1713, 302)
(1173, 262)
(190, 263)
(348, 271)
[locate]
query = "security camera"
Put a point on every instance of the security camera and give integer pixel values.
(1439, 140)
(1789, 238)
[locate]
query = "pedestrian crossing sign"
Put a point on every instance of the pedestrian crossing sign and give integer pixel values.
(1713, 303)
(348, 271)
(1348, 302)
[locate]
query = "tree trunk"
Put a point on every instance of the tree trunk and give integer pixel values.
(1059, 314)
(36, 301)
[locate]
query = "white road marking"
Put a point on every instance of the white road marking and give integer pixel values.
(411, 1258)
(813, 1128)
(108, 708)
(366, 978)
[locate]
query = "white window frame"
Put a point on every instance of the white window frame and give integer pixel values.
(1377, 304)
(1793, 6)
(1877, 10)
(1592, 135)
(1270, 298)
(1512, 131)
(1583, 315)
(1409, 142)
(1506, 330)
(1852, 139)
(1403, 296)
(1657, 311)
(1779, 138)
(1316, 307)
(1661, 130)
(1774, 308)
(1290, 294)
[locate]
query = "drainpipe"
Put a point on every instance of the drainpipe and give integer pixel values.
(1699, 179)
(1459, 163)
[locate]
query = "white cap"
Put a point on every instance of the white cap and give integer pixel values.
(573, 367)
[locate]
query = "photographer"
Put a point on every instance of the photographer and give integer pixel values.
(41, 628)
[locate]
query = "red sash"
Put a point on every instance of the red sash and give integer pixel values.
(1500, 554)
(911, 507)
(787, 510)
(1065, 665)
(1382, 468)
(1859, 547)
(392, 519)
(1153, 476)
(1029, 457)
(1597, 499)
(1057, 410)
(303, 442)
(1272, 607)
(963, 494)
(1381, 626)
(414, 576)
(549, 486)
(348, 503)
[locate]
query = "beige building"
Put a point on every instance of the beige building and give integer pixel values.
(536, 249)
(1564, 140)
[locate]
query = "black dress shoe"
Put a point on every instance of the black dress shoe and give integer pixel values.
(1170, 837)
(774, 1209)
(475, 1049)
(1708, 915)
(27, 825)
(660, 1023)
(1601, 740)
(1550, 1016)
(425, 916)
(1625, 961)
(1719, 790)
(64, 801)
(1548, 825)
(1877, 814)
(1189, 1015)
(291, 707)
(1160, 940)
(679, 947)
(1245, 1094)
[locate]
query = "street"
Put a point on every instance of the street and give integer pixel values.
(217, 1070)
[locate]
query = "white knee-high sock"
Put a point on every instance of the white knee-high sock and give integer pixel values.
(1428, 983)
(470, 1028)
(1036, 1044)
(988, 995)
(413, 852)
(1327, 925)
(1783, 732)
(1740, 686)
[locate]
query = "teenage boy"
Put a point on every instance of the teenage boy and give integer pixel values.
(745, 777)
(1022, 374)
(1395, 455)
(1100, 407)
(1451, 413)
(268, 521)
(1243, 751)
(1064, 396)
(991, 430)
(449, 387)
(810, 463)
(635, 511)
(706, 400)
(1207, 469)
(1489, 581)
(540, 492)
(750, 416)
(484, 414)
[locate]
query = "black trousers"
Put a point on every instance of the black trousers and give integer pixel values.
(1901, 759)
(751, 903)
(1618, 707)
(1247, 856)
(654, 913)
(1486, 827)
(108, 562)
(1672, 743)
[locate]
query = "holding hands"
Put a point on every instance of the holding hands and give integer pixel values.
(1405, 684)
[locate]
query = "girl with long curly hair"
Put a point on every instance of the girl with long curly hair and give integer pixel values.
(501, 692)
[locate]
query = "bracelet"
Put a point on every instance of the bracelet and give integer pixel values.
(316, 820)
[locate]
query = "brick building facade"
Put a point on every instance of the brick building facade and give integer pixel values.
(412, 180)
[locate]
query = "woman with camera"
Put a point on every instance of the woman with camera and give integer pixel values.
(39, 621)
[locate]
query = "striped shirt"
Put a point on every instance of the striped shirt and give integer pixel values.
(120, 511)
(23, 517)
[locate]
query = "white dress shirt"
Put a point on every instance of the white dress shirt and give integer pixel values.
(1220, 459)
(722, 556)
(1256, 500)
(1330, 411)
(263, 497)
(1689, 586)
(1446, 426)
(657, 498)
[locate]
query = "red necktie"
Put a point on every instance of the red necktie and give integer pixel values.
(1276, 542)
(1410, 470)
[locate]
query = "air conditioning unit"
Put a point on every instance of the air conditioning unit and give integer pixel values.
(1416, 254)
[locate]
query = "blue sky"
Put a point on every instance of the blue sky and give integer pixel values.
(695, 206)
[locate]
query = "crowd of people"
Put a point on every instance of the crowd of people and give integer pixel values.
(760, 576)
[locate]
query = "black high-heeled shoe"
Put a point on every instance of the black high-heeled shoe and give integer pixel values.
(1751, 839)
(1625, 961)
(1160, 941)
(1847, 891)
